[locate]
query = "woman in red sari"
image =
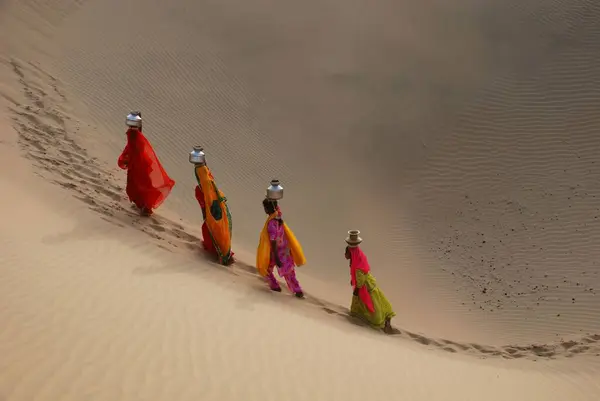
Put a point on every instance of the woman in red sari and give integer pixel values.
(148, 184)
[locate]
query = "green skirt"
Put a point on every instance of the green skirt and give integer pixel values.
(383, 308)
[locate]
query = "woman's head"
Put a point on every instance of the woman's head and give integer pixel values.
(357, 258)
(270, 206)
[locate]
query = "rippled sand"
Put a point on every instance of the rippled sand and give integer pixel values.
(459, 139)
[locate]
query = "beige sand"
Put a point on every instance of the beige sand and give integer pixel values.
(480, 168)
(97, 312)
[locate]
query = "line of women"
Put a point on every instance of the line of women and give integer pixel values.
(148, 185)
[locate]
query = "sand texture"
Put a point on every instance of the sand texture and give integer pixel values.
(460, 139)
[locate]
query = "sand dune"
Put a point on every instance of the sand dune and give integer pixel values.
(100, 312)
(389, 112)
(462, 146)
(44, 137)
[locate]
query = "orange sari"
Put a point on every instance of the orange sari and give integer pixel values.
(218, 217)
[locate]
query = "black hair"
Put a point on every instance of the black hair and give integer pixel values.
(269, 205)
(348, 254)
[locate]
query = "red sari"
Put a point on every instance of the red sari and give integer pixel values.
(148, 184)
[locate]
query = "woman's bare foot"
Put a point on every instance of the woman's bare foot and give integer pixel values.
(299, 294)
(231, 260)
(387, 329)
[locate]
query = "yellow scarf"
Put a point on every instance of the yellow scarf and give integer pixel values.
(263, 254)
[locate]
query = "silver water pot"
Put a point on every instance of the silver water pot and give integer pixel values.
(197, 156)
(275, 190)
(134, 119)
(353, 239)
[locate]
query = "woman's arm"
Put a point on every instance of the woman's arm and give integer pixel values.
(200, 198)
(123, 161)
(361, 281)
(274, 248)
(361, 278)
(272, 229)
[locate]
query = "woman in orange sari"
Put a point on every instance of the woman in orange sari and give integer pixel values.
(148, 184)
(207, 242)
(217, 228)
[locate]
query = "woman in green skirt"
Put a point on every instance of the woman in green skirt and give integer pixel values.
(368, 301)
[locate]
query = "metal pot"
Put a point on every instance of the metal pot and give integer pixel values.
(275, 190)
(197, 156)
(134, 119)
(353, 240)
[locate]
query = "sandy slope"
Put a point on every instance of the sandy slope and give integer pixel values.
(97, 312)
(481, 175)
(432, 128)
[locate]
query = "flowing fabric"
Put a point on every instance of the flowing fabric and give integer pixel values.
(217, 216)
(263, 253)
(207, 241)
(358, 261)
(148, 184)
(383, 311)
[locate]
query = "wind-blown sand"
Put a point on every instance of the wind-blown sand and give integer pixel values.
(459, 139)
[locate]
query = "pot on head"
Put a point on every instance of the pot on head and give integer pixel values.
(197, 156)
(275, 191)
(134, 119)
(353, 240)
